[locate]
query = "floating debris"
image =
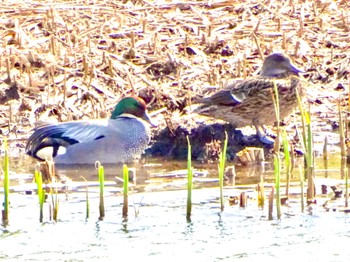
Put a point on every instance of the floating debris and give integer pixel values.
(251, 155)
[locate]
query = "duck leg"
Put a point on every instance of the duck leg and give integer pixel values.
(262, 135)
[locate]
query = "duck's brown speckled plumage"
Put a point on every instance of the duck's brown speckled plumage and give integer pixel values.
(257, 107)
(249, 102)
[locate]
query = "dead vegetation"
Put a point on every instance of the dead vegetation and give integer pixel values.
(68, 60)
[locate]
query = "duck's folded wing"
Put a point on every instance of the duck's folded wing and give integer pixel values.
(231, 95)
(64, 135)
(224, 98)
(244, 90)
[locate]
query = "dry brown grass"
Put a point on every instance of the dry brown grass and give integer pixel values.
(66, 60)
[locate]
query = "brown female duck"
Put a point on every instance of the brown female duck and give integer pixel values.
(249, 102)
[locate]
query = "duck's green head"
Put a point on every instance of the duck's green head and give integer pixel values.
(131, 105)
(279, 65)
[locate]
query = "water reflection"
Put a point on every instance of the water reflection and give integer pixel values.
(97, 229)
(159, 229)
(189, 229)
(156, 174)
(125, 226)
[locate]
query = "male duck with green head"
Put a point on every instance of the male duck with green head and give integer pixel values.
(249, 101)
(121, 138)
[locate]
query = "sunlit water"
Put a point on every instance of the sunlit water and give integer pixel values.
(157, 228)
(160, 231)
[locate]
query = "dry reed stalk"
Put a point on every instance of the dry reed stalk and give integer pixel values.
(270, 210)
(243, 200)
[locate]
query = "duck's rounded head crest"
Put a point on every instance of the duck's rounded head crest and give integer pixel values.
(279, 65)
(131, 105)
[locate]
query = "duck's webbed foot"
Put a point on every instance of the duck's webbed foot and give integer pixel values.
(260, 132)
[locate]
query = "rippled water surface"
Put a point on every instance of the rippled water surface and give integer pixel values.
(157, 229)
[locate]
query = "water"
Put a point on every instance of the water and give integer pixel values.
(160, 231)
(157, 229)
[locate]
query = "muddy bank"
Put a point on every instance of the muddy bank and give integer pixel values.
(206, 140)
(64, 62)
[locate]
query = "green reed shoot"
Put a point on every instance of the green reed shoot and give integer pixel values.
(87, 199)
(307, 145)
(303, 125)
(301, 188)
(277, 157)
(309, 157)
(189, 181)
(287, 159)
(126, 190)
(325, 156)
(346, 187)
(342, 138)
(261, 193)
(277, 172)
(341, 132)
(270, 211)
(41, 193)
(222, 161)
(5, 213)
(101, 179)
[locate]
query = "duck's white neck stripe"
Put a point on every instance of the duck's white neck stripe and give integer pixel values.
(127, 115)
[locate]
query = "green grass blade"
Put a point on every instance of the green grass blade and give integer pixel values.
(5, 214)
(301, 188)
(341, 132)
(307, 143)
(126, 190)
(276, 101)
(303, 117)
(346, 187)
(277, 158)
(222, 171)
(287, 159)
(41, 193)
(55, 214)
(270, 211)
(189, 181)
(309, 158)
(55, 203)
(101, 179)
(277, 171)
(261, 194)
(87, 199)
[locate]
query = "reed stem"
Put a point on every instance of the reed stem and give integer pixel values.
(277, 165)
(101, 178)
(277, 158)
(301, 189)
(87, 199)
(270, 212)
(310, 171)
(325, 156)
(308, 148)
(346, 187)
(261, 193)
(126, 190)
(222, 158)
(189, 181)
(41, 193)
(5, 212)
(55, 203)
